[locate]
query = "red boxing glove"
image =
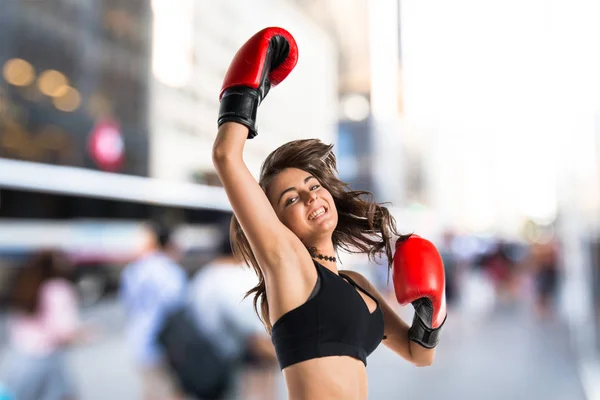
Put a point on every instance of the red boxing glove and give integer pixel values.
(262, 62)
(418, 275)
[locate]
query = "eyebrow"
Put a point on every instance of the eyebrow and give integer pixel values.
(308, 178)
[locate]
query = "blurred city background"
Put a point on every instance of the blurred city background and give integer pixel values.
(477, 121)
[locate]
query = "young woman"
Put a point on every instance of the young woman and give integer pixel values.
(323, 322)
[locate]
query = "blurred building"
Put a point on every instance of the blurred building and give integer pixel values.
(132, 87)
(354, 150)
(510, 121)
(74, 84)
(371, 96)
(74, 93)
(193, 44)
(108, 114)
(577, 117)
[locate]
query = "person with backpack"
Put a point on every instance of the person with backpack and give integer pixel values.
(152, 287)
(217, 296)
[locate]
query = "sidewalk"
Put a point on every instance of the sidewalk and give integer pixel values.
(506, 355)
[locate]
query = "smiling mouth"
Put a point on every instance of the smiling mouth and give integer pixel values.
(320, 212)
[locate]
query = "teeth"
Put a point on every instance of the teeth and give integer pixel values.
(316, 213)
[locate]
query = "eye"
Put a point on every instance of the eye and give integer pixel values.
(291, 200)
(315, 187)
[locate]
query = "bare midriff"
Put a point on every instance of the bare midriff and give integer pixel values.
(327, 378)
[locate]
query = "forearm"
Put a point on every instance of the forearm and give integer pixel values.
(420, 356)
(399, 342)
(229, 143)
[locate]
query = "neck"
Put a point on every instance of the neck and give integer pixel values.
(323, 254)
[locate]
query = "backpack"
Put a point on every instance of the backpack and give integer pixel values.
(196, 361)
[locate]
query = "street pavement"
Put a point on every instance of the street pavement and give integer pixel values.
(503, 354)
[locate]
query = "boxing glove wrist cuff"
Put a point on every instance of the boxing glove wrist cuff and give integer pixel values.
(425, 336)
(239, 104)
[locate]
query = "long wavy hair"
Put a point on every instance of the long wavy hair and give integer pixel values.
(363, 225)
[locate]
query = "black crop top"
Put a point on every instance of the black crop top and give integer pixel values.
(334, 321)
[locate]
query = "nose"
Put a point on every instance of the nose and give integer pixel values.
(312, 196)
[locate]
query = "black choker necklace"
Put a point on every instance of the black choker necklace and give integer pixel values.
(314, 254)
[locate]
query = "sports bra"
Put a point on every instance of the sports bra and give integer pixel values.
(334, 321)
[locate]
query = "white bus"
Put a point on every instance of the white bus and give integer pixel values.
(96, 218)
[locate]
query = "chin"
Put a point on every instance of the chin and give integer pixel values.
(326, 227)
(331, 225)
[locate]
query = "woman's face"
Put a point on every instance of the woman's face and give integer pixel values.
(303, 205)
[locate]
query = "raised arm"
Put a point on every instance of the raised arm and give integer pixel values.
(261, 63)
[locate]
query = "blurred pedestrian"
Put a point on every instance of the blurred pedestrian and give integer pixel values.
(546, 277)
(501, 269)
(43, 323)
(151, 287)
(217, 294)
(451, 267)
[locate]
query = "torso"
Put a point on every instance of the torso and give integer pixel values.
(314, 379)
(325, 377)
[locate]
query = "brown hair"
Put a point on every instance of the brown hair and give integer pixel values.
(363, 225)
(39, 268)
